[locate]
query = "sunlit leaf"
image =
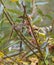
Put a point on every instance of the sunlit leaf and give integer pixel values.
(46, 61)
(42, 35)
(1, 54)
(14, 0)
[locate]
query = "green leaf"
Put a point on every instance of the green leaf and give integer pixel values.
(46, 61)
(15, 11)
(28, 0)
(37, 20)
(49, 16)
(40, 11)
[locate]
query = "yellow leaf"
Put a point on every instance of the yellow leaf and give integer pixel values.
(53, 59)
(1, 54)
(14, 0)
(18, 60)
(25, 63)
(8, 59)
(42, 34)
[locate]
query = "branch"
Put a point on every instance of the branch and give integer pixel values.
(33, 35)
(20, 35)
(11, 22)
(32, 31)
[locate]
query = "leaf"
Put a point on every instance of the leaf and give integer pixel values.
(38, 19)
(12, 43)
(53, 59)
(1, 54)
(41, 3)
(40, 11)
(42, 35)
(31, 53)
(1, 35)
(1, 9)
(14, 0)
(51, 34)
(25, 63)
(46, 61)
(28, 0)
(14, 11)
(47, 52)
(49, 16)
(44, 45)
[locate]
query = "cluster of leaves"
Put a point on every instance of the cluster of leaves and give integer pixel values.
(18, 26)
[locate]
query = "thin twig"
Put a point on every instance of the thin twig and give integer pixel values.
(33, 35)
(18, 34)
